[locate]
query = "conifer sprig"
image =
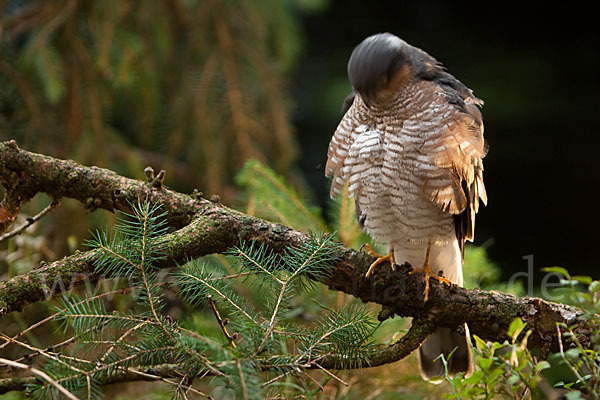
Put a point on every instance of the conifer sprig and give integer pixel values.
(243, 344)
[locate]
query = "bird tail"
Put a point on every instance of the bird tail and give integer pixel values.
(444, 341)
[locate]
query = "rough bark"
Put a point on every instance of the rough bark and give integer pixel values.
(207, 227)
(24, 174)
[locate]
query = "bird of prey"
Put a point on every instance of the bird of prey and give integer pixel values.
(410, 147)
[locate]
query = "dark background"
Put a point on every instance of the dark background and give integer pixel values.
(536, 68)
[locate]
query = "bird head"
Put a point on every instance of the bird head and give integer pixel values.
(379, 67)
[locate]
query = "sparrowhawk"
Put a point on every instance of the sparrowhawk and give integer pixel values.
(410, 147)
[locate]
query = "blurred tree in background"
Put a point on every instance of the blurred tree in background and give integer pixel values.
(192, 87)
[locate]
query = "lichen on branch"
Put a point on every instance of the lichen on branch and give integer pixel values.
(207, 227)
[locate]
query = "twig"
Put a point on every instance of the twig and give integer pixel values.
(121, 338)
(332, 375)
(314, 380)
(160, 372)
(232, 276)
(257, 265)
(181, 384)
(222, 323)
(31, 220)
(169, 381)
(267, 383)
(580, 379)
(242, 380)
(42, 375)
(56, 314)
(321, 339)
(147, 286)
(52, 356)
(217, 291)
(284, 286)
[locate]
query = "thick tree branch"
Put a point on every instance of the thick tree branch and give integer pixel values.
(207, 227)
(418, 332)
(24, 174)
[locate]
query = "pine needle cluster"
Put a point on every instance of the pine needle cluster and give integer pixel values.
(240, 347)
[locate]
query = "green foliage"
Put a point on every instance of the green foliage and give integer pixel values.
(480, 272)
(134, 243)
(269, 197)
(255, 326)
(192, 87)
(350, 338)
(509, 370)
(580, 291)
(582, 365)
(197, 94)
(266, 347)
(503, 370)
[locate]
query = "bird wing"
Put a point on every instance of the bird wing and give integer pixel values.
(456, 150)
(363, 164)
(339, 147)
(355, 156)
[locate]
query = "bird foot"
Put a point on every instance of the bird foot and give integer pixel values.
(426, 269)
(389, 257)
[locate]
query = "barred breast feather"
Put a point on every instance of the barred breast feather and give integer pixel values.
(416, 163)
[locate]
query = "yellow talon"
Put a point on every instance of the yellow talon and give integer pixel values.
(426, 269)
(389, 257)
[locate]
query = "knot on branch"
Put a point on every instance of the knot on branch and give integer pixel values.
(156, 181)
(12, 144)
(196, 194)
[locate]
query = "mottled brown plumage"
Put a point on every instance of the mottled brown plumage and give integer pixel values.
(410, 146)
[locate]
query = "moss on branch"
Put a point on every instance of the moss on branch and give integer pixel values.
(207, 227)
